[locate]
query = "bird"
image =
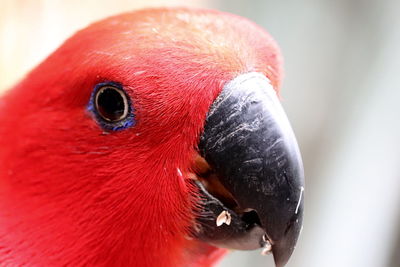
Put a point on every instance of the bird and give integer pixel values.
(150, 138)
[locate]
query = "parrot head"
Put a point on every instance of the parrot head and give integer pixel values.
(152, 137)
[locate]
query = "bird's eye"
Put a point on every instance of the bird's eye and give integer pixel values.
(111, 103)
(111, 106)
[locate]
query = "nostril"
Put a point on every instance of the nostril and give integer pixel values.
(251, 219)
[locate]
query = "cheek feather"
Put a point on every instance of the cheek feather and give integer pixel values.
(182, 181)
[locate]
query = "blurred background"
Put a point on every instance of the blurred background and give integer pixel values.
(341, 93)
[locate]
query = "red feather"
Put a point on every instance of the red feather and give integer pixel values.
(71, 194)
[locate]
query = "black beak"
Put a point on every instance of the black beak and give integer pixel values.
(249, 144)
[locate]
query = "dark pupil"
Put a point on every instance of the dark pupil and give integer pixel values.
(110, 104)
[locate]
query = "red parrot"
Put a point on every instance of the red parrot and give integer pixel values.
(152, 138)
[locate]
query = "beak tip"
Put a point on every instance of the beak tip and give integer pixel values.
(283, 248)
(281, 256)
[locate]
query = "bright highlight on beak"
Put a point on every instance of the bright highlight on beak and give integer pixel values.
(256, 172)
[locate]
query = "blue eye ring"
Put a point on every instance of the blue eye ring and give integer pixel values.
(111, 106)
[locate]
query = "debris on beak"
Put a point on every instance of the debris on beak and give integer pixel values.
(266, 246)
(224, 217)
